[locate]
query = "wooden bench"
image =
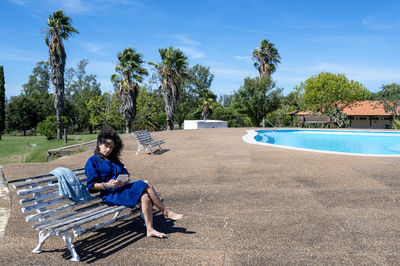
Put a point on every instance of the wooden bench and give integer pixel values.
(145, 141)
(60, 216)
(315, 119)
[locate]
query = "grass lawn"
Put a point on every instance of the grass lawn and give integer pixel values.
(20, 149)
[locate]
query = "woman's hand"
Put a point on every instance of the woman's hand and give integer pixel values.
(114, 183)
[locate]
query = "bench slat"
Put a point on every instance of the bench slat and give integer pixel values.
(43, 196)
(102, 214)
(44, 204)
(50, 220)
(43, 188)
(103, 224)
(37, 216)
(36, 189)
(70, 217)
(44, 178)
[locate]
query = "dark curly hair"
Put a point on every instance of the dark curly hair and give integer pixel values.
(109, 133)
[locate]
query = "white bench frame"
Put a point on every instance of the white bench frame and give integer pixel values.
(57, 216)
(145, 141)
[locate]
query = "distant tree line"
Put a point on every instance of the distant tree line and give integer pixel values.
(174, 92)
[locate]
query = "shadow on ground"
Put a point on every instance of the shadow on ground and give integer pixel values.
(107, 241)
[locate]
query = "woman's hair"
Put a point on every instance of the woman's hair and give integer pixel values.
(109, 133)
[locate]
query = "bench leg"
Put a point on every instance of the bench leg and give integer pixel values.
(68, 240)
(140, 147)
(150, 150)
(42, 238)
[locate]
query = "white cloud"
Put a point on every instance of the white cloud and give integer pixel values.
(97, 48)
(22, 3)
(192, 52)
(247, 30)
(100, 66)
(189, 46)
(231, 73)
(76, 6)
(380, 23)
(13, 54)
(372, 77)
(79, 7)
(186, 40)
(360, 72)
(246, 59)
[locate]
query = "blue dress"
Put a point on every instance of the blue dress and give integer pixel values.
(98, 170)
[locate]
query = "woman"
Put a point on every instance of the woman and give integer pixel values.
(102, 170)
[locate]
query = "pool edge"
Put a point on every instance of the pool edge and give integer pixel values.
(251, 133)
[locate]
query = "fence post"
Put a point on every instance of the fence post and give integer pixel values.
(65, 136)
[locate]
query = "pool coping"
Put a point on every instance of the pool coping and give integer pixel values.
(249, 138)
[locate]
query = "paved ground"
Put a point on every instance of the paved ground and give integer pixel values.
(243, 204)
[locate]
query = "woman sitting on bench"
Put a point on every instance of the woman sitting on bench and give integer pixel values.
(102, 170)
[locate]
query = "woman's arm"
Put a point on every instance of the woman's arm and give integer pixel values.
(104, 185)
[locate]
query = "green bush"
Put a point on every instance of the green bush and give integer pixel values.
(396, 123)
(342, 119)
(48, 127)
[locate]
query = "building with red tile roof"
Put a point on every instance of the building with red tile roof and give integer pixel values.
(368, 114)
(363, 114)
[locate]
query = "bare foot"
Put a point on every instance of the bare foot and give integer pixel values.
(172, 215)
(154, 233)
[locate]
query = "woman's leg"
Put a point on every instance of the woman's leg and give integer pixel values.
(168, 214)
(147, 210)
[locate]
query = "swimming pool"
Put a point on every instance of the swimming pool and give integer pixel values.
(372, 143)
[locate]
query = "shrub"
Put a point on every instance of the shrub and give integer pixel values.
(48, 127)
(396, 123)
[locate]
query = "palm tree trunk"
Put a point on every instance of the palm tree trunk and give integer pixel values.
(169, 110)
(127, 126)
(57, 63)
(170, 99)
(59, 125)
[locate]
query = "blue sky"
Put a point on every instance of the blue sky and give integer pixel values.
(360, 39)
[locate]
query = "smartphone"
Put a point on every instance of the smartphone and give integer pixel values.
(123, 178)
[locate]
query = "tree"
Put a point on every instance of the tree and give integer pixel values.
(59, 28)
(21, 113)
(38, 84)
(80, 88)
(103, 112)
(389, 96)
(171, 71)
(149, 110)
(256, 98)
(325, 91)
(37, 88)
(230, 114)
(2, 101)
(266, 58)
(129, 72)
(225, 100)
(199, 82)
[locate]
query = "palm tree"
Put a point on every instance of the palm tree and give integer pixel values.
(266, 58)
(206, 110)
(59, 28)
(129, 71)
(171, 71)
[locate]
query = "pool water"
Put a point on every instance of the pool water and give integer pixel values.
(351, 142)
